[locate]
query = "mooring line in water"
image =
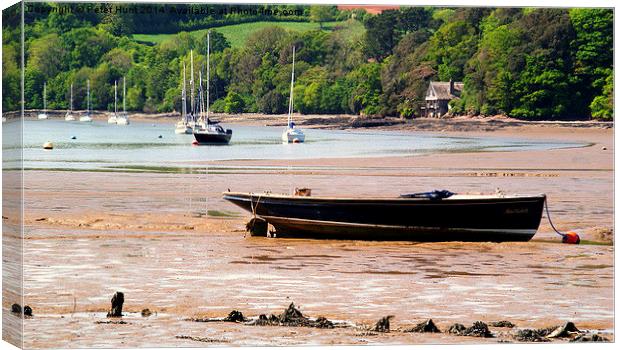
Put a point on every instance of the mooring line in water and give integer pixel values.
(568, 237)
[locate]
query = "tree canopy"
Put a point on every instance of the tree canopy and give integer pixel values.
(527, 63)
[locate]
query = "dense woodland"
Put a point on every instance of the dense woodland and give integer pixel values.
(526, 63)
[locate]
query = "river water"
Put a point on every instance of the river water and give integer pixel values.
(99, 145)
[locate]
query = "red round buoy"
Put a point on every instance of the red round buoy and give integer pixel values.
(195, 143)
(571, 237)
(296, 141)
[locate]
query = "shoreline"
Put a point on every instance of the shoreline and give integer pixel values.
(345, 121)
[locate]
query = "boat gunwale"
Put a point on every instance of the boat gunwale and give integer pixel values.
(469, 200)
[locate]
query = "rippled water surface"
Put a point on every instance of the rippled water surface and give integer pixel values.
(99, 145)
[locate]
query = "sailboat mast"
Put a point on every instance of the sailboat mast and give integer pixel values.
(200, 97)
(124, 111)
(290, 103)
(184, 98)
(88, 96)
(208, 70)
(191, 81)
(71, 101)
(44, 97)
(115, 109)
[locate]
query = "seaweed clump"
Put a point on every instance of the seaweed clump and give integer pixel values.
(425, 327)
(530, 336)
(478, 329)
(383, 325)
(292, 317)
(502, 324)
(589, 338)
(235, 316)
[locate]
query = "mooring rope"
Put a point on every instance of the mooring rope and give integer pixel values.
(254, 208)
(550, 222)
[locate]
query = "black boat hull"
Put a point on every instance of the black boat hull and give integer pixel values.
(412, 219)
(213, 138)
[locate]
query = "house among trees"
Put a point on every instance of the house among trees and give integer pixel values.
(438, 95)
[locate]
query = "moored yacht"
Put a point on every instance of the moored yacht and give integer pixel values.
(43, 115)
(86, 117)
(69, 115)
(112, 117)
(123, 118)
(207, 131)
(183, 126)
(292, 134)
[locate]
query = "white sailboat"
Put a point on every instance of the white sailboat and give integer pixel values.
(183, 127)
(69, 116)
(123, 118)
(292, 134)
(112, 117)
(86, 117)
(205, 131)
(43, 115)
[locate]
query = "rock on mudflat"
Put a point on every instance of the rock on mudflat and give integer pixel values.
(383, 325)
(291, 317)
(117, 305)
(530, 336)
(27, 311)
(563, 331)
(478, 329)
(425, 327)
(235, 316)
(146, 313)
(589, 338)
(502, 324)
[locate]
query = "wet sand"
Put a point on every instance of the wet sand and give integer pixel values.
(146, 234)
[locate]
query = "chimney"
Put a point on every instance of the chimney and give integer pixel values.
(451, 87)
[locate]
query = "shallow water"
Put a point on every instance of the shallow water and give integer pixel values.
(99, 145)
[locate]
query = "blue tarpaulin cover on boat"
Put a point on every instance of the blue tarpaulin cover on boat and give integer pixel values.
(435, 195)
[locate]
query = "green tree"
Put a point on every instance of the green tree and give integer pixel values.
(118, 23)
(11, 78)
(217, 40)
(322, 14)
(603, 105)
(48, 55)
(366, 84)
(233, 103)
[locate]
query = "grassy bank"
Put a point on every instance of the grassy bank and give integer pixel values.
(238, 34)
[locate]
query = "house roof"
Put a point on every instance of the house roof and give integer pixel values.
(440, 90)
(372, 9)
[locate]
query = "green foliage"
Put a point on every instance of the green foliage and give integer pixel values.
(11, 77)
(366, 89)
(527, 63)
(233, 103)
(322, 14)
(603, 105)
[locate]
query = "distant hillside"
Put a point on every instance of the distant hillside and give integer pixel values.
(237, 34)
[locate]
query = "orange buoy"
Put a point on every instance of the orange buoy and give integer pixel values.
(571, 237)
(195, 143)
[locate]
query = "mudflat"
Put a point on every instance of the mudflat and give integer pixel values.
(173, 246)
